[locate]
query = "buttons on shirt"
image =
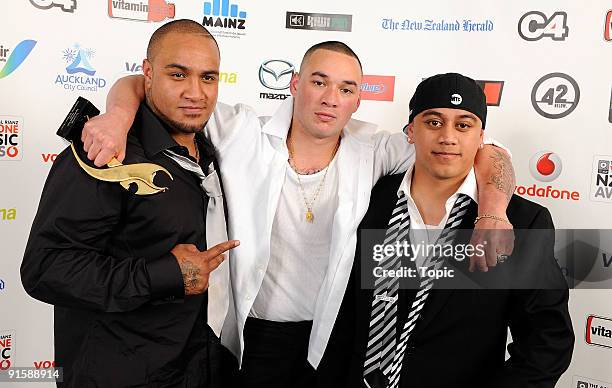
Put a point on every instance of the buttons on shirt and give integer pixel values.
(183, 151)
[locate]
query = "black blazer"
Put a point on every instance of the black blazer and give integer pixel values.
(460, 338)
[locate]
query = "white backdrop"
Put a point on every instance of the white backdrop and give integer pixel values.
(516, 43)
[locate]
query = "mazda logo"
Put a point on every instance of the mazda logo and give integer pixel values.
(276, 74)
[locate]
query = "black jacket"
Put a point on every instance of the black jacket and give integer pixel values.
(460, 340)
(101, 255)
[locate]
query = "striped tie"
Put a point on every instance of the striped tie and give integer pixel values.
(383, 332)
(391, 369)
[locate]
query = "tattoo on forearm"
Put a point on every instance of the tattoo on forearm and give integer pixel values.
(503, 178)
(191, 275)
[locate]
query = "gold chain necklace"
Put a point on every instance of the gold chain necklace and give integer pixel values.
(197, 150)
(309, 203)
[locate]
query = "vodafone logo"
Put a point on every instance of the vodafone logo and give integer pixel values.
(44, 364)
(48, 157)
(545, 166)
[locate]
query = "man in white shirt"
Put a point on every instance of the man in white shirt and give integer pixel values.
(297, 184)
(407, 328)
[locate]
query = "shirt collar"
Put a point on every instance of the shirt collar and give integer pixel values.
(468, 186)
(280, 122)
(154, 134)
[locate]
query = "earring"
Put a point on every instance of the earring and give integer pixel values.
(480, 146)
(409, 139)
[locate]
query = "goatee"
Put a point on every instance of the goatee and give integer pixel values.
(174, 125)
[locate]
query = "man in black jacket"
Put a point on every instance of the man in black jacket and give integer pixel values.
(405, 328)
(128, 274)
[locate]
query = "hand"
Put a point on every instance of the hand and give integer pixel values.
(196, 266)
(105, 137)
(499, 238)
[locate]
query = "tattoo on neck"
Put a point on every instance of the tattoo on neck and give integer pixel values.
(191, 275)
(503, 178)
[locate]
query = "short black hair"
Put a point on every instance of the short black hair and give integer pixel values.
(331, 45)
(181, 26)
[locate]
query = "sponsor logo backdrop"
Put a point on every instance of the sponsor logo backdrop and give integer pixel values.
(545, 68)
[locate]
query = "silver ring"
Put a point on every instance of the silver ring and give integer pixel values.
(501, 258)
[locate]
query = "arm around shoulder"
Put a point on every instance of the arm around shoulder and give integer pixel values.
(105, 136)
(392, 154)
(231, 124)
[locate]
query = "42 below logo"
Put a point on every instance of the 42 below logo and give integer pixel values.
(65, 5)
(555, 95)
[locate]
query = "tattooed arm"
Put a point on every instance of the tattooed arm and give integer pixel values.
(196, 266)
(496, 182)
(502, 178)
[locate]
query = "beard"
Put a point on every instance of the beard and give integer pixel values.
(175, 126)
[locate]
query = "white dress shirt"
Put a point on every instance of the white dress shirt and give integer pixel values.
(422, 233)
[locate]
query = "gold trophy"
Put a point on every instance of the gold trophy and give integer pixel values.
(139, 174)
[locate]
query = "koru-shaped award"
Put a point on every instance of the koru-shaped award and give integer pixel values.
(140, 174)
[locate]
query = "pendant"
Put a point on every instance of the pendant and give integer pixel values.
(309, 216)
